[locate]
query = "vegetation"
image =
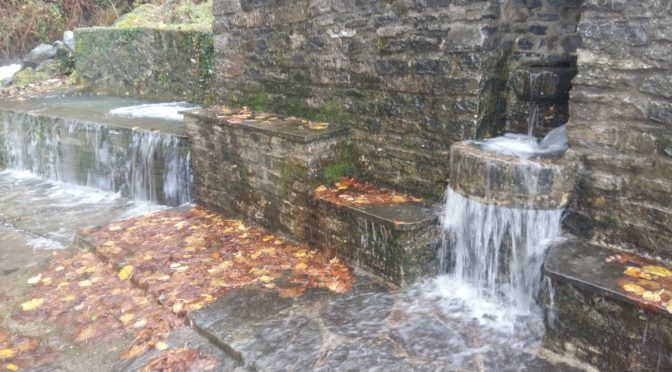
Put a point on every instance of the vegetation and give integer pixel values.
(183, 14)
(26, 23)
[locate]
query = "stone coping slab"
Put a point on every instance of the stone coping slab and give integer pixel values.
(287, 129)
(95, 110)
(602, 271)
(401, 217)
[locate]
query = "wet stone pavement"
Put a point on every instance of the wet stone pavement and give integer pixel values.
(370, 328)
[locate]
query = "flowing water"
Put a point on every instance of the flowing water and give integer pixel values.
(68, 163)
(142, 164)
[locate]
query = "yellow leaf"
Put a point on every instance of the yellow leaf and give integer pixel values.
(126, 318)
(115, 228)
(321, 188)
(161, 345)
(32, 304)
(301, 266)
(35, 279)
(668, 306)
(398, 199)
(255, 255)
(633, 271)
(657, 270)
(85, 283)
(267, 238)
(12, 367)
(341, 187)
(86, 333)
(126, 272)
(190, 249)
(268, 250)
(140, 323)
(7, 353)
(634, 288)
(109, 243)
(300, 253)
(59, 268)
(651, 296)
(265, 279)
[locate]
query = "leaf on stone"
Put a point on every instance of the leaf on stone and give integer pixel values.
(32, 304)
(34, 280)
(651, 296)
(7, 353)
(634, 288)
(126, 272)
(657, 270)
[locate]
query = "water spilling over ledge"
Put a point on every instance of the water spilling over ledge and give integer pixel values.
(61, 141)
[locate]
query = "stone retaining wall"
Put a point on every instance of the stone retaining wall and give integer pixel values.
(621, 126)
(409, 77)
(167, 65)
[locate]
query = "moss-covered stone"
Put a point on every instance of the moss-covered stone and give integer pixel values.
(28, 76)
(148, 63)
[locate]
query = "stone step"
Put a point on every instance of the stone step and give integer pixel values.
(397, 241)
(609, 308)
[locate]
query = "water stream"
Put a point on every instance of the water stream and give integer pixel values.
(141, 164)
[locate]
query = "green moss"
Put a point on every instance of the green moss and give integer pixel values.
(337, 170)
(28, 76)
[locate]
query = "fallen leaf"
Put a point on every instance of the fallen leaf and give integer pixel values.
(35, 279)
(657, 270)
(32, 304)
(634, 288)
(161, 346)
(7, 353)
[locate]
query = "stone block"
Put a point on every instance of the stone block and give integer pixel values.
(264, 171)
(397, 242)
(590, 317)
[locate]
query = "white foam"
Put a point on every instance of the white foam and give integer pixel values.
(8, 71)
(168, 110)
(523, 145)
(44, 244)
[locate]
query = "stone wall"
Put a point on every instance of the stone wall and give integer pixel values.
(621, 126)
(541, 33)
(156, 64)
(409, 77)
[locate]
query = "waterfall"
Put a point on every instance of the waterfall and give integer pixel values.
(498, 250)
(142, 165)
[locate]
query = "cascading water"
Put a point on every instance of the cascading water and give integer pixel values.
(142, 165)
(496, 251)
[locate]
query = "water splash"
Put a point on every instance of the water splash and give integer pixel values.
(142, 165)
(6, 72)
(522, 145)
(498, 250)
(168, 111)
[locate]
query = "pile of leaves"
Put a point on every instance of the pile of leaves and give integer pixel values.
(187, 258)
(244, 114)
(181, 360)
(86, 295)
(352, 192)
(18, 351)
(645, 281)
